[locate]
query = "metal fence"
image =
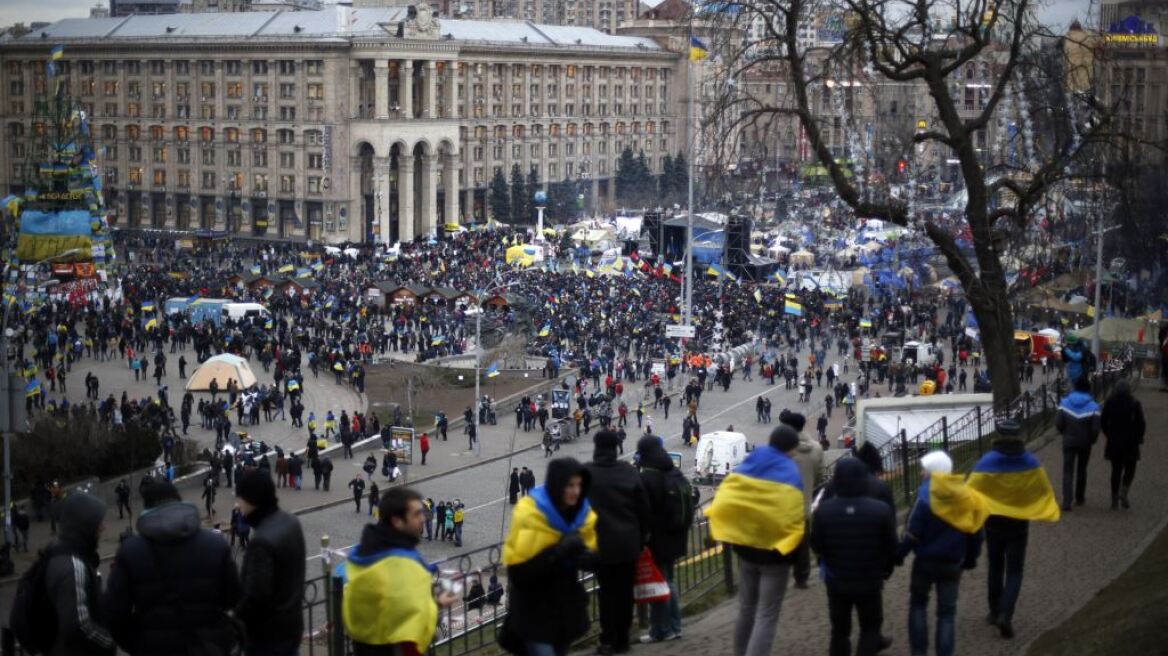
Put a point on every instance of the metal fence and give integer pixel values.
(469, 626)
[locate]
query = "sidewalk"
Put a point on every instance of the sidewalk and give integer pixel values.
(1067, 564)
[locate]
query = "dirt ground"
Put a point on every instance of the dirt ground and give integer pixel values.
(434, 389)
(1127, 618)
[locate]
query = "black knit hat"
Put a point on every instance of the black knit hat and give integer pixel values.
(606, 440)
(158, 493)
(256, 488)
(795, 420)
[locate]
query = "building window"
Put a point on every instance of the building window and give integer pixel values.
(313, 137)
(315, 91)
(133, 67)
(206, 67)
(260, 182)
(315, 161)
(234, 158)
(182, 67)
(260, 158)
(287, 184)
(208, 180)
(287, 113)
(159, 153)
(285, 136)
(287, 67)
(288, 160)
(206, 134)
(259, 67)
(183, 180)
(232, 67)
(159, 177)
(231, 135)
(314, 185)
(134, 175)
(287, 90)
(208, 157)
(207, 90)
(133, 132)
(314, 67)
(183, 154)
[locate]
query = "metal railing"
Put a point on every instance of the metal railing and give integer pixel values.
(967, 437)
(470, 624)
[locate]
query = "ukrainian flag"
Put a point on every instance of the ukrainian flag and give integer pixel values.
(293, 385)
(865, 323)
(255, 270)
(287, 268)
(152, 324)
(791, 307)
(758, 295)
(697, 50)
(536, 525)
(147, 307)
(545, 331)
(1015, 486)
(304, 273)
(387, 598)
(437, 341)
(760, 504)
(269, 324)
(954, 502)
(33, 388)
(493, 370)
(57, 52)
(778, 276)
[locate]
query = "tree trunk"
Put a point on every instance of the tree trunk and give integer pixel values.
(994, 320)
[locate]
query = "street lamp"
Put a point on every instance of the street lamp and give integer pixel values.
(5, 399)
(479, 346)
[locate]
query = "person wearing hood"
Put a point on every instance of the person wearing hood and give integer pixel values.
(666, 542)
(553, 533)
(809, 457)
(941, 551)
(73, 581)
(1079, 423)
(389, 608)
(870, 456)
(172, 582)
(855, 538)
(272, 575)
(622, 506)
(1122, 421)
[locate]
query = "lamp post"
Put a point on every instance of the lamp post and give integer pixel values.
(5, 400)
(479, 347)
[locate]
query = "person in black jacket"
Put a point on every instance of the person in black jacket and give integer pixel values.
(855, 536)
(547, 605)
(622, 509)
(665, 543)
(1123, 423)
(869, 455)
(272, 575)
(73, 581)
(173, 582)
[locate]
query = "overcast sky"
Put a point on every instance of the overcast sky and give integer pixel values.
(1057, 12)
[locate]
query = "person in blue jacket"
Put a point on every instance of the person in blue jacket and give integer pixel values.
(941, 552)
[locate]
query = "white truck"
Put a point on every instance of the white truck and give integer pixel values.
(717, 454)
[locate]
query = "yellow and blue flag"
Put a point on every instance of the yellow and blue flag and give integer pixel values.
(255, 270)
(546, 330)
(791, 307)
(697, 50)
(287, 268)
(758, 295)
(388, 599)
(760, 504)
(954, 502)
(778, 276)
(865, 323)
(148, 307)
(57, 52)
(536, 525)
(269, 324)
(293, 385)
(493, 370)
(152, 324)
(437, 341)
(1015, 486)
(33, 388)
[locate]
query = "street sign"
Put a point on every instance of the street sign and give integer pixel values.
(680, 331)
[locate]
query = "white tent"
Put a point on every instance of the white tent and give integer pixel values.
(221, 368)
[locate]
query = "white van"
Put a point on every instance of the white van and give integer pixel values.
(717, 454)
(239, 311)
(923, 354)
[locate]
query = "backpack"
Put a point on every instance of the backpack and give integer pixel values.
(678, 506)
(33, 619)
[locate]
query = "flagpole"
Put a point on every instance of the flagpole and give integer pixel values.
(689, 223)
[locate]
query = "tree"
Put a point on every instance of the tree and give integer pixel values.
(680, 179)
(532, 187)
(561, 202)
(992, 41)
(665, 180)
(626, 177)
(499, 197)
(519, 197)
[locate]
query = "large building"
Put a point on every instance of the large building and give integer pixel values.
(375, 123)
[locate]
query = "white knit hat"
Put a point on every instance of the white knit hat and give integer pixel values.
(937, 462)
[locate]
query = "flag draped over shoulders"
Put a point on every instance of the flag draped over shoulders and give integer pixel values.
(387, 598)
(1015, 486)
(536, 525)
(954, 502)
(760, 504)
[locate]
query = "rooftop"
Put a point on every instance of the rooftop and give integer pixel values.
(365, 23)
